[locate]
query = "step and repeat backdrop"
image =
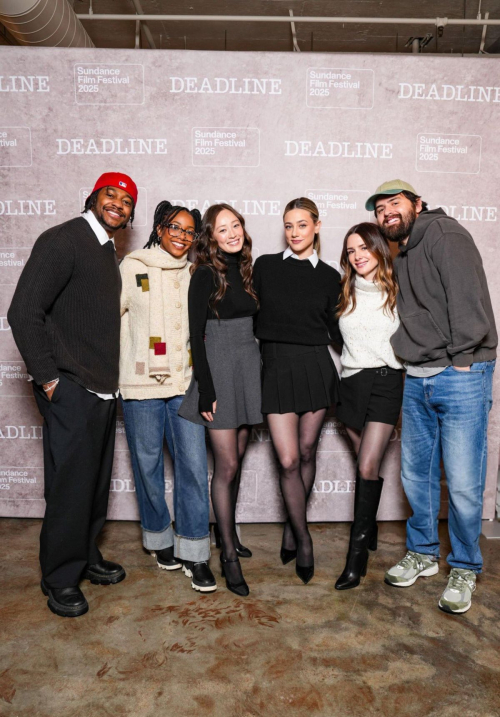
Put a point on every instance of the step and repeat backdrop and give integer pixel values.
(254, 130)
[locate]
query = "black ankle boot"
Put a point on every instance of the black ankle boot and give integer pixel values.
(363, 532)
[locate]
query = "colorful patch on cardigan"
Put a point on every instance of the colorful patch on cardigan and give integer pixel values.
(190, 358)
(140, 368)
(142, 281)
(160, 349)
(154, 340)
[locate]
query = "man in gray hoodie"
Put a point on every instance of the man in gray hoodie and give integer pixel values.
(447, 338)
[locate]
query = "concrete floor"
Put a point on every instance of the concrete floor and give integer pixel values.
(152, 646)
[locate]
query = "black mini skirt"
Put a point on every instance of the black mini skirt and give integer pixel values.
(297, 379)
(373, 394)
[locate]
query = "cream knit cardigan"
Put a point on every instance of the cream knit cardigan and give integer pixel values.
(136, 344)
(367, 331)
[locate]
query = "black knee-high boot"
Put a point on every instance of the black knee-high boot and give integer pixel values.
(363, 532)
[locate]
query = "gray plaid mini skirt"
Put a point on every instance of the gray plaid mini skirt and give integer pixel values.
(234, 359)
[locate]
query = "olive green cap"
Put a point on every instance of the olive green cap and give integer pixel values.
(395, 186)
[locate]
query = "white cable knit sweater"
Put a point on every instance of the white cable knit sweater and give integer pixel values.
(170, 343)
(367, 331)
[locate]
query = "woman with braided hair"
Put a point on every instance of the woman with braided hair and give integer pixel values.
(155, 372)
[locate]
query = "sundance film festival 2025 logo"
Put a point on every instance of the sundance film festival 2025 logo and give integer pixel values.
(448, 93)
(448, 153)
(111, 145)
(24, 83)
(333, 149)
(10, 258)
(340, 208)
(109, 84)
(14, 372)
(27, 207)
(225, 85)
(20, 481)
(15, 147)
(334, 87)
(225, 146)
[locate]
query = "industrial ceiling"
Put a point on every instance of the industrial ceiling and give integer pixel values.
(392, 36)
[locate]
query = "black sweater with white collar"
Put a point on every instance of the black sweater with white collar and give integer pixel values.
(65, 314)
(297, 301)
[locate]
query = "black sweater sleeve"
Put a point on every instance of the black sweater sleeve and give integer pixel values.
(333, 322)
(47, 272)
(200, 291)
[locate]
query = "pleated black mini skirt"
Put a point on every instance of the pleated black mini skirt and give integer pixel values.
(297, 379)
(373, 394)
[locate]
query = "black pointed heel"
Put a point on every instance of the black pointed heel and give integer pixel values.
(287, 555)
(304, 572)
(240, 588)
(243, 552)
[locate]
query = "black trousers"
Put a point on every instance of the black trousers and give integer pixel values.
(78, 444)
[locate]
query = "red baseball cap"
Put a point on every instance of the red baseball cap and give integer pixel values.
(118, 180)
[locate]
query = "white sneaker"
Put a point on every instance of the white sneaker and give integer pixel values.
(457, 597)
(411, 567)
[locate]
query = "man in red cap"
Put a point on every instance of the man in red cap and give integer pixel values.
(65, 318)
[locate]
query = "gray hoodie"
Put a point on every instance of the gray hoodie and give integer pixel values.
(443, 300)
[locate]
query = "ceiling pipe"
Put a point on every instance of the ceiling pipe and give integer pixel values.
(48, 23)
(436, 21)
(147, 31)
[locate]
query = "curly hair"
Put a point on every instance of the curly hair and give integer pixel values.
(164, 213)
(384, 277)
(209, 254)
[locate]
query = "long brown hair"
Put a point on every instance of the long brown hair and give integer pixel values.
(209, 254)
(384, 277)
(309, 206)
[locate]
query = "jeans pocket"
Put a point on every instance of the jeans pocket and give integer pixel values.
(479, 367)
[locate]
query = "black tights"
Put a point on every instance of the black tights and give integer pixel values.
(295, 439)
(228, 447)
(370, 446)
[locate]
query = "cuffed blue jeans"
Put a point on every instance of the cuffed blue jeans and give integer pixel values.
(147, 423)
(445, 417)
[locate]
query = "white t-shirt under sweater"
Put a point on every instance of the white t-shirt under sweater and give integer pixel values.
(367, 331)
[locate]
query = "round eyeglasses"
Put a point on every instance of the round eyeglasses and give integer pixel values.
(175, 231)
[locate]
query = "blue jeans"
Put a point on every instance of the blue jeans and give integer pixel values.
(445, 417)
(147, 423)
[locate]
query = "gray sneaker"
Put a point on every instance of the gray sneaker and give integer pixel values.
(457, 597)
(411, 567)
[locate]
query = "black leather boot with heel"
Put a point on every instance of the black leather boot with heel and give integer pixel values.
(364, 532)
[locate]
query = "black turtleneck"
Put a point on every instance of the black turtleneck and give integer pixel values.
(236, 304)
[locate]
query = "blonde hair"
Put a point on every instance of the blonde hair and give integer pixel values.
(309, 206)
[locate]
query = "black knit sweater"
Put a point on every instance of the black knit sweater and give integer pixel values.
(65, 314)
(297, 301)
(235, 305)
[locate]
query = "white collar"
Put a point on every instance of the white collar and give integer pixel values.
(97, 228)
(314, 258)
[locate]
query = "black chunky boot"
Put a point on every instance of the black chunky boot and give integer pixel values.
(363, 532)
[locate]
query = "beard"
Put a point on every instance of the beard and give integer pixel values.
(401, 230)
(99, 214)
